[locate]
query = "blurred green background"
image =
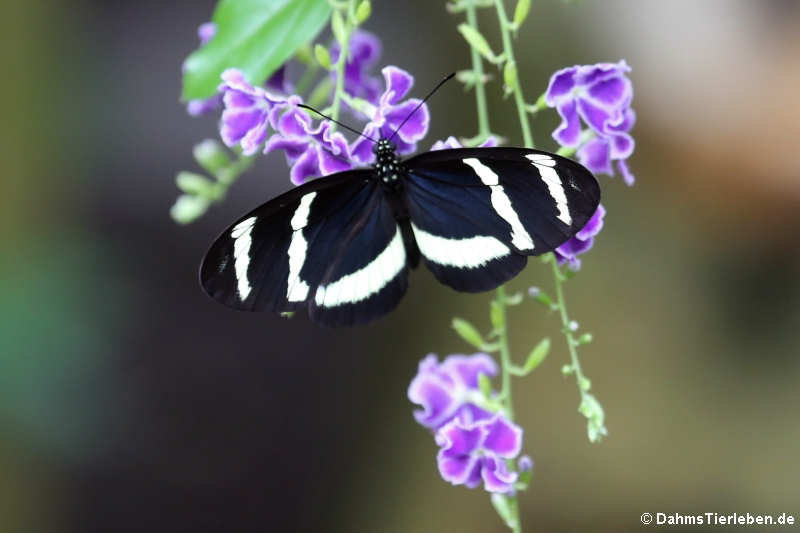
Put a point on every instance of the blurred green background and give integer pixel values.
(131, 402)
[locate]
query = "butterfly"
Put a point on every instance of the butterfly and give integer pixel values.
(342, 246)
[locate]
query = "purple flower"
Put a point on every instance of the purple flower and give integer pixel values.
(582, 241)
(364, 52)
(475, 451)
(598, 153)
(310, 151)
(389, 113)
(600, 95)
(248, 112)
(450, 388)
(452, 142)
(201, 106)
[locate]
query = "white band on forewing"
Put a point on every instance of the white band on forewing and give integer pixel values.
(296, 288)
(242, 241)
(502, 204)
(544, 164)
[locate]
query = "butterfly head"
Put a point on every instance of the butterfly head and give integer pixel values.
(383, 148)
(386, 164)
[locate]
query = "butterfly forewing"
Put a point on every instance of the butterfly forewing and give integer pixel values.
(275, 256)
(476, 213)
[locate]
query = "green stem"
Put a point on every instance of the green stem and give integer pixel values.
(505, 353)
(340, 64)
(572, 342)
(505, 393)
(477, 69)
(508, 50)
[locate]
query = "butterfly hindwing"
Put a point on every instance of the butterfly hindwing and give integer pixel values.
(477, 213)
(368, 274)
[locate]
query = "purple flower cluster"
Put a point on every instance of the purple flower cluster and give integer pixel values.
(265, 118)
(248, 112)
(311, 149)
(475, 441)
(599, 95)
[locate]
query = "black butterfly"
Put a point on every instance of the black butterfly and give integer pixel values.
(342, 245)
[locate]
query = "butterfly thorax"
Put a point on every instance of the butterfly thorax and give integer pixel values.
(387, 167)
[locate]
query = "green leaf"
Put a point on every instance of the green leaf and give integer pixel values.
(478, 42)
(255, 36)
(536, 356)
(188, 208)
(323, 56)
(510, 75)
(338, 27)
(521, 12)
(192, 183)
(468, 332)
(363, 11)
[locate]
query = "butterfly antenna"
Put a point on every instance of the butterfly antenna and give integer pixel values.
(345, 126)
(447, 78)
